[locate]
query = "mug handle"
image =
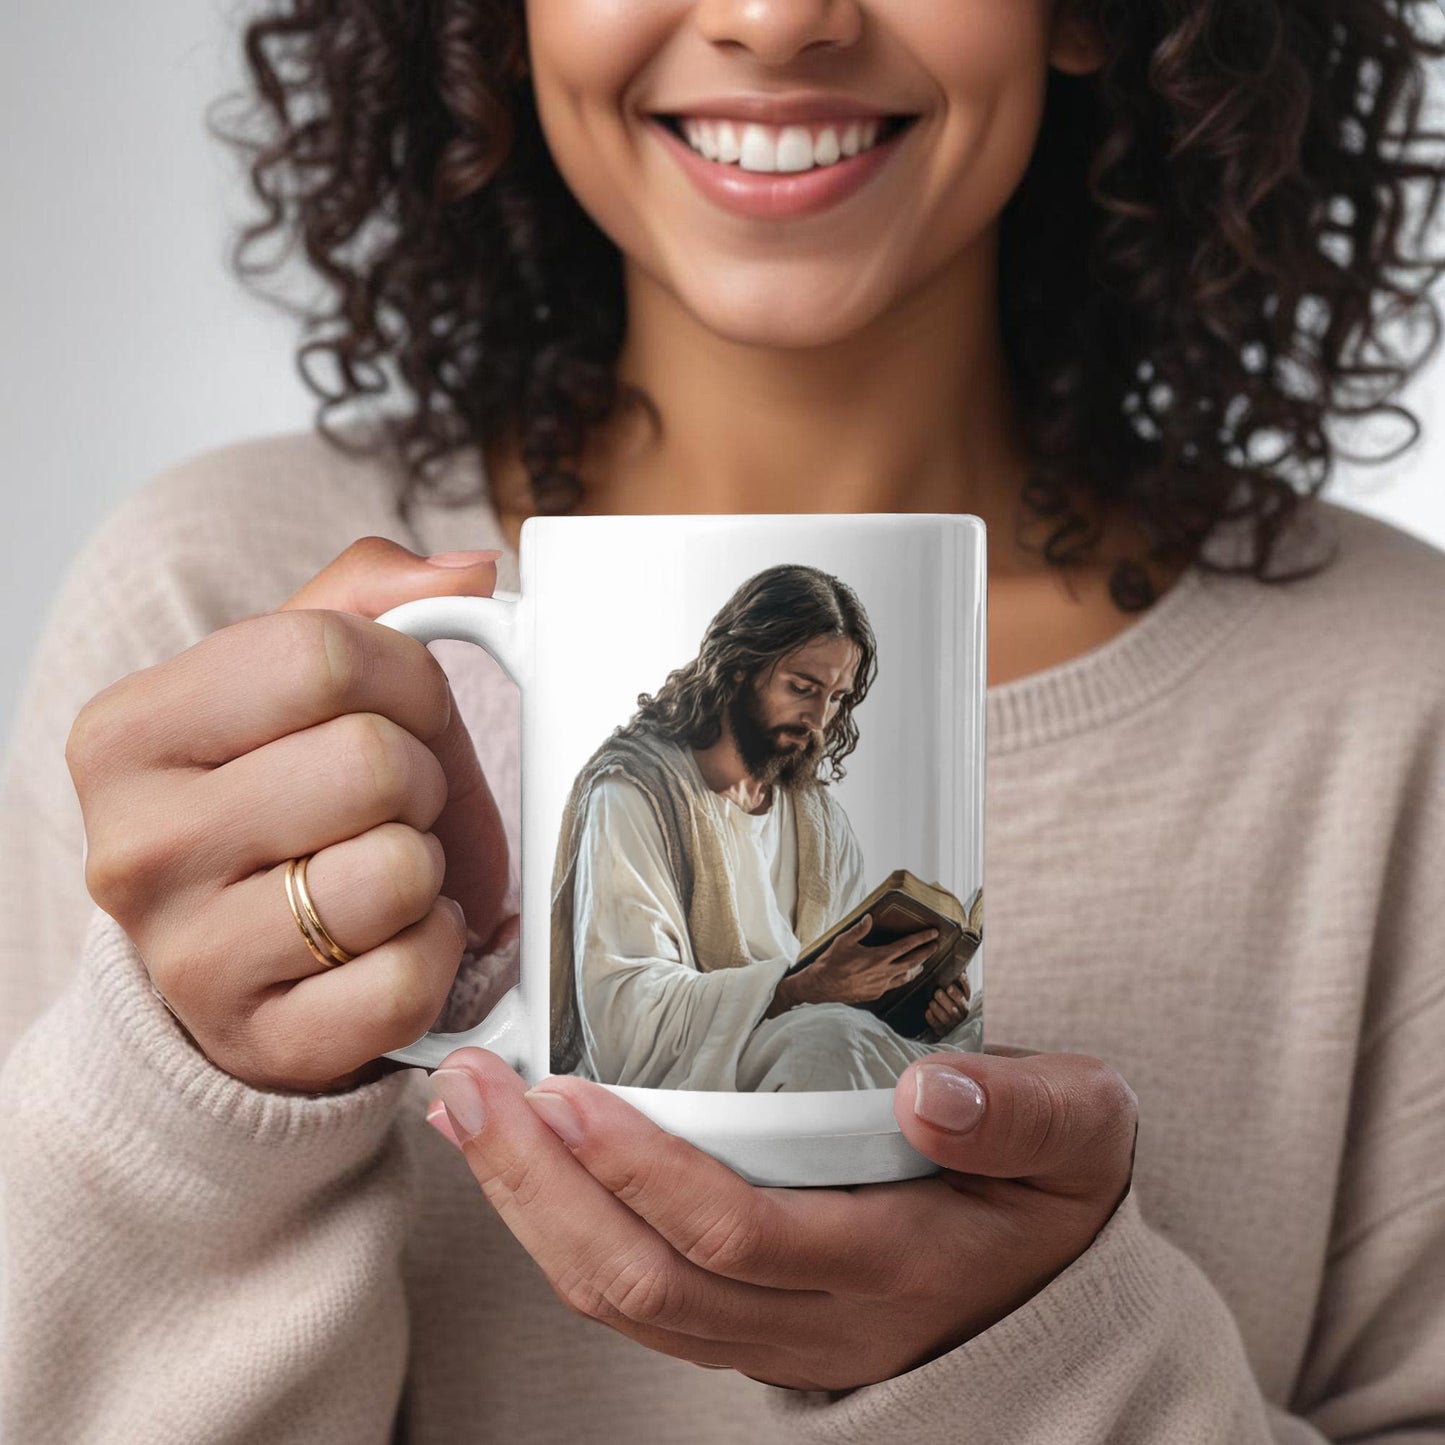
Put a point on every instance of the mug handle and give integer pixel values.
(491, 623)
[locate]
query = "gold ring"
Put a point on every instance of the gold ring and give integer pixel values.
(296, 885)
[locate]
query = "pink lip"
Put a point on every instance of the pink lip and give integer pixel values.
(774, 196)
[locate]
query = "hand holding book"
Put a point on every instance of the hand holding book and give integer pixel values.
(850, 971)
(921, 969)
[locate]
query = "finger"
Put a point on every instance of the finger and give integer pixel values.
(375, 574)
(912, 962)
(1064, 1121)
(317, 787)
(365, 890)
(946, 1006)
(318, 665)
(370, 577)
(796, 1240)
(309, 1034)
(604, 1259)
(223, 952)
(916, 944)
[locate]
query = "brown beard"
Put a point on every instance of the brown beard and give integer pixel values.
(765, 761)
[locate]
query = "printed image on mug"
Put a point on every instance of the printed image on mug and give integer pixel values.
(751, 823)
(766, 877)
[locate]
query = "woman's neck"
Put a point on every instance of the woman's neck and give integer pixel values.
(913, 416)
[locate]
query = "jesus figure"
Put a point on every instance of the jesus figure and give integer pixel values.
(700, 847)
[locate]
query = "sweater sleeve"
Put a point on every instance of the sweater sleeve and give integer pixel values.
(1132, 1342)
(186, 1258)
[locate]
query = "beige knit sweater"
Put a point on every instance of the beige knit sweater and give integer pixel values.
(1215, 857)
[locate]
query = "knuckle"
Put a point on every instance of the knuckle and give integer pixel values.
(122, 869)
(376, 748)
(99, 732)
(638, 1286)
(581, 1296)
(725, 1244)
(1041, 1117)
(409, 1003)
(339, 651)
(373, 548)
(108, 878)
(638, 1179)
(83, 741)
(408, 865)
(1106, 1102)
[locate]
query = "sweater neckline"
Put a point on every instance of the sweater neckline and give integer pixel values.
(1144, 661)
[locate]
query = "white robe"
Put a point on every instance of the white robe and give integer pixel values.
(651, 1018)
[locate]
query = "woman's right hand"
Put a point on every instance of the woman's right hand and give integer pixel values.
(311, 729)
(849, 971)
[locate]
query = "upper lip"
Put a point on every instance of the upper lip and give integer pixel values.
(780, 109)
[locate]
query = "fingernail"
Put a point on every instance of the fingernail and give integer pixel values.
(436, 1116)
(458, 1091)
(947, 1099)
(464, 559)
(557, 1114)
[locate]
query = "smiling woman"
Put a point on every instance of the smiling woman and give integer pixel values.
(1111, 289)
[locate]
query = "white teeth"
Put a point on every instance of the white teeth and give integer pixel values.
(788, 148)
(760, 151)
(729, 148)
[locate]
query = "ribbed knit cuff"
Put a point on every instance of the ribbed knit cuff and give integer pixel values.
(134, 1049)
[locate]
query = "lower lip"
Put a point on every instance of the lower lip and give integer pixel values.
(774, 195)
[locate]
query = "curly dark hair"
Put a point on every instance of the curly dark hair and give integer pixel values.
(769, 615)
(1199, 268)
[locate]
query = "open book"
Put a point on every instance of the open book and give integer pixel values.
(903, 904)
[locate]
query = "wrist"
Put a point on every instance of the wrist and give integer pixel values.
(788, 994)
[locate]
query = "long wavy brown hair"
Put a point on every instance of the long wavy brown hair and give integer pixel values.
(770, 615)
(1216, 250)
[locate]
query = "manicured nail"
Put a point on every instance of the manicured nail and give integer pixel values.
(458, 1091)
(436, 1116)
(947, 1099)
(558, 1114)
(464, 559)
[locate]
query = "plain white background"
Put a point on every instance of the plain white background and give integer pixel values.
(128, 346)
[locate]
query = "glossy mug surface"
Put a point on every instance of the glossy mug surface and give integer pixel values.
(752, 821)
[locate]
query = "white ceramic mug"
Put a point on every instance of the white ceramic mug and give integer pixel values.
(734, 730)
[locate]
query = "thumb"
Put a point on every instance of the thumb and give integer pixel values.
(1065, 1122)
(374, 574)
(370, 577)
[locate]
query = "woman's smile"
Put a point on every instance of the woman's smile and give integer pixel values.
(788, 175)
(773, 173)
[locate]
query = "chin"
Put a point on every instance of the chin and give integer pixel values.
(779, 310)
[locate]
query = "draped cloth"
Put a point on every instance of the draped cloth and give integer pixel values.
(696, 857)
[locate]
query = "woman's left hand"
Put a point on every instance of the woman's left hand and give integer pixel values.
(804, 1288)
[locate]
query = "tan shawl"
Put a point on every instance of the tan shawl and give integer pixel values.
(693, 835)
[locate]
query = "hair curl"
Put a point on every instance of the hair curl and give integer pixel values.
(1198, 270)
(769, 616)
